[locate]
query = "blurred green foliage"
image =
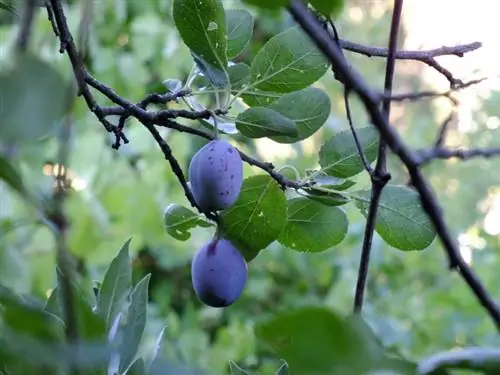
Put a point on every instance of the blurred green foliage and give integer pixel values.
(414, 305)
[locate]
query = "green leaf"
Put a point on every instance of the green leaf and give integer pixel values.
(179, 220)
(308, 108)
(236, 370)
(477, 359)
(27, 112)
(327, 198)
(288, 62)
(401, 220)
(328, 7)
(313, 227)
(257, 217)
(259, 98)
(137, 368)
(259, 122)
(202, 26)
(136, 323)
(339, 156)
(338, 343)
(269, 4)
(115, 286)
(239, 31)
(330, 182)
(239, 75)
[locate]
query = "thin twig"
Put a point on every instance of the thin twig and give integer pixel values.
(359, 147)
(431, 94)
(380, 177)
(427, 155)
(427, 57)
(370, 101)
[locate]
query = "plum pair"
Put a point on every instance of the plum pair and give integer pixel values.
(218, 270)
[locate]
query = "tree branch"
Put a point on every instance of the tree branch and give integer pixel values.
(427, 57)
(380, 177)
(370, 101)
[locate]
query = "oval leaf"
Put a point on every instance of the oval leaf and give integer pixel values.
(202, 26)
(313, 227)
(257, 217)
(339, 156)
(179, 220)
(239, 31)
(308, 108)
(26, 111)
(401, 220)
(259, 122)
(288, 62)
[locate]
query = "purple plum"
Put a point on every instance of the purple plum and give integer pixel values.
(216, 176)
(219, 273)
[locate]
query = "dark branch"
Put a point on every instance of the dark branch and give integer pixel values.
(380, 177)
(427, 57)
(427, 155)
(370, 100)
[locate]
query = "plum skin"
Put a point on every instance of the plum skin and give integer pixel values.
(218, 273)
(216, 176)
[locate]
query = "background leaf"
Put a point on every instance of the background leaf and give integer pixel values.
(202, 26)
(136, 323)
(308, 108)
(313, 227)
(290, 336)
(179, 220)
(257, 217)
(137, 368)
(239, 31)
(259, 122)
(339, 156)
(288, 62)
(401, 220)
(115, 286)
(26, 111)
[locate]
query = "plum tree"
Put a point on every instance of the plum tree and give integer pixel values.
(216, 175)
(219, 273)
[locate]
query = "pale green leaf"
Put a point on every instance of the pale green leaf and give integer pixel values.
(115, 286)
(288, 62)
(136, 323)
(401, 219)
(308, 108)
(313, 227)
(202, 26)
(339, 155)
(179, 221)
(259, 122)
(239, 31)
(257, 217)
